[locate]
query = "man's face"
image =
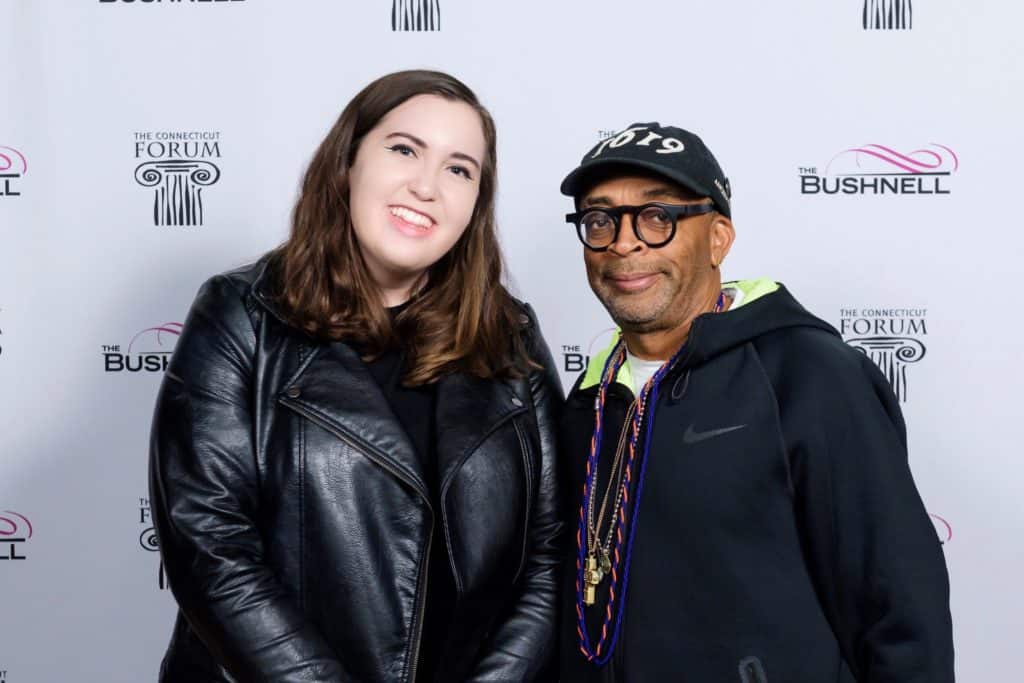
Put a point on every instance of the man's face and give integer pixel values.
(648, 290)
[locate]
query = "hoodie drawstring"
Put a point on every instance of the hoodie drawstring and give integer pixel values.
(680, 386)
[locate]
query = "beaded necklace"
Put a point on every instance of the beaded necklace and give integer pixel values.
(590, 570)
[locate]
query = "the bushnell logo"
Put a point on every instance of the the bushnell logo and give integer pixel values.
(178, 167)
(148, 351)
(15, 532)
(890, 337)
(147, 538)
(415, 15)
(891, 15)
(12, 167)
(877, 169)
(576, 358)
(942, 528)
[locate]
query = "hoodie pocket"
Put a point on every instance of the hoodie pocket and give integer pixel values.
(752, 671)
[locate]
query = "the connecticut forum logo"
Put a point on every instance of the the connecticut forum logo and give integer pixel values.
(148, 540)
(415, 15)
(888, 15)
(891, 337)
(875, 169)
(177, 166)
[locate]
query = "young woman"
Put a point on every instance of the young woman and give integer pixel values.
(352, 463)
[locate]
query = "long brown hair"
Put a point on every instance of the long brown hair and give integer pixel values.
(463, 318)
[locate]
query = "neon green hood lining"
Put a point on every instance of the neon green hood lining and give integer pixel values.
(750, 291)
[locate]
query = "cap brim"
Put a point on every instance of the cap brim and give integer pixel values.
(577, 180)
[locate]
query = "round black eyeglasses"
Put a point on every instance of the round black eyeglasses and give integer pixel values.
(654, 224)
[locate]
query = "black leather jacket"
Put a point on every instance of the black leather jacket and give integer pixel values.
(295, 523)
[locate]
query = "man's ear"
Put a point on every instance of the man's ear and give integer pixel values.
(722, 236)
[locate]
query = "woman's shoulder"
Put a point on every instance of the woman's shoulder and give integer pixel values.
(525, 319)
(529, 330)
(246, 279)
(230, 298)
(239, 285)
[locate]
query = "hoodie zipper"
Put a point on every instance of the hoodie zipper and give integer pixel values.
(373, 454)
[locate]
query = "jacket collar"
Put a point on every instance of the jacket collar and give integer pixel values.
(469, 408)
(336, 386)
(263, 289)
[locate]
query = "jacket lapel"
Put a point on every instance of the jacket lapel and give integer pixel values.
(468, 409)
(335, 389)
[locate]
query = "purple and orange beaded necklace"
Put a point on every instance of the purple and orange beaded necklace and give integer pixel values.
(588, 575)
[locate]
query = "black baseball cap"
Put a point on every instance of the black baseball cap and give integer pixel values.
(675, 153)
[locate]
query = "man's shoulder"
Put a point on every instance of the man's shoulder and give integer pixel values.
(807, 359)
(809, 345)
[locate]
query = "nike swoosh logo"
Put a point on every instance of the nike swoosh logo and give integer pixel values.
(693, 436)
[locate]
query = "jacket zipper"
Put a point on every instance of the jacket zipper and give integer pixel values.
(372, 453)
(529, 498)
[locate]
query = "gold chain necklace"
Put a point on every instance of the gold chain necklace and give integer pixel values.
(599, 561)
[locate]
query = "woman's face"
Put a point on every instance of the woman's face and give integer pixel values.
(413, 187)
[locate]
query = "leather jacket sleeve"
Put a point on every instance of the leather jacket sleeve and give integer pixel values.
(524, 644)
(204, 493)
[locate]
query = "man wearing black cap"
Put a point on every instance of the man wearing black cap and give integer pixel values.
(737, 475)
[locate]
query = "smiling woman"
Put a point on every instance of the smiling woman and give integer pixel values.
(414, 143)
(413, 189)
(352, 465)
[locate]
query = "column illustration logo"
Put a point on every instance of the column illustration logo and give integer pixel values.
(148, 540)
(178, 167)
(890, 337)
(415, 15)
(12, 167)
(891, 15)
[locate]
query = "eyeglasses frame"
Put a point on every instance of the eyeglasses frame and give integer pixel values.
(675, 212)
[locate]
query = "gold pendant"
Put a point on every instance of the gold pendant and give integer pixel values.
(592, 576)
(606, 563)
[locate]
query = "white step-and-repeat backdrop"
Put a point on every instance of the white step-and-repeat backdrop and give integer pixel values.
(874, 149)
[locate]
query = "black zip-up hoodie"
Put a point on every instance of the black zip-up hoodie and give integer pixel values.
(781, 538)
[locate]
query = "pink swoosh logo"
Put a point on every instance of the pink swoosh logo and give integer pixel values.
(945, 525)
(166, 328)
(13, 524)
(7, 161)
(935, 158)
